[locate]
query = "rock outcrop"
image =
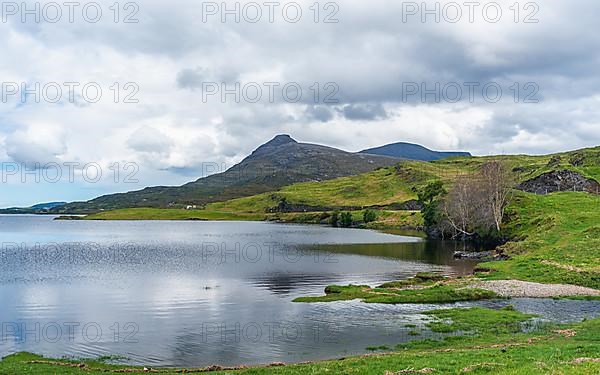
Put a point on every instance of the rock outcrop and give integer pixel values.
(555, 181)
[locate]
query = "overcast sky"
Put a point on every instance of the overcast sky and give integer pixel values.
(370, 60)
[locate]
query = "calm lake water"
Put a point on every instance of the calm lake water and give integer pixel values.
(201, 293)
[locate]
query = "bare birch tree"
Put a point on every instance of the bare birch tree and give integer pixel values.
(459, 206)
(498, 187)
(478, 201)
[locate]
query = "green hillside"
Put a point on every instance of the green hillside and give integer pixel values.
(400, 183)
(389, 185)
(280, 162)
(556, 240)
(555, 237)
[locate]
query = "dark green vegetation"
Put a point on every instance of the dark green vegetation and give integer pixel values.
(369, 216)
(35, 209)
(428, 196)
(346, 220)
(376, 348)
(493, 345)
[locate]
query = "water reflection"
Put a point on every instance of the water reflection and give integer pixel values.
(198, 293)
(430, 252)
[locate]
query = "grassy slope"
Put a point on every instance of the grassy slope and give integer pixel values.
(493, 347)
(385, 186)
(560, 240)
(378, 187)
(381, 187)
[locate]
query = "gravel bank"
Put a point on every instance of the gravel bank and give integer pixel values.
(516, 288)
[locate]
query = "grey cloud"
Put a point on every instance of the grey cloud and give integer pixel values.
(364, 112)
(379, 52)
(21, 148)
(319, 113)
(191, 78)
(369, 54)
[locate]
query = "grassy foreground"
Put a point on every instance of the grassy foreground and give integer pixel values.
(493, 346)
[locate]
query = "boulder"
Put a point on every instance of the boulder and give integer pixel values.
(560, 181)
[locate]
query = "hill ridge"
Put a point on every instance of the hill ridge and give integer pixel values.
(413, 151)
(279, 162)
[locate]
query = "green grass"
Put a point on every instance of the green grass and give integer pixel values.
(432, 294)
(425, 287)
(396, 219)
(386, 219)
(559, 240)
(494, 349)
(173, 214)
(380, 187)
(378, 348)
(421, 278)
(478, 320)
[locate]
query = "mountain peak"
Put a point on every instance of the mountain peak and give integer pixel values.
(279, 140)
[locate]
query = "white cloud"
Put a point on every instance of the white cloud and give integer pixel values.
(38, 143)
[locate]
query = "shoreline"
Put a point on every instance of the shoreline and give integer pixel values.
(429, 288)
(498, 344)
(526, 289)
